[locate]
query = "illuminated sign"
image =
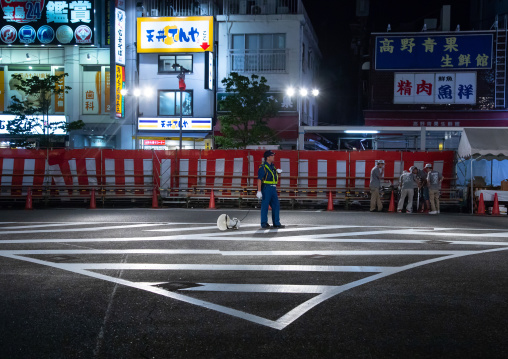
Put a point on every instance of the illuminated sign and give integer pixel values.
(154, 142)
(172, 124)
(175, 34)
(434, 52)
(119, 86)
(435, 88)
(120, 36)
(53, 120)
(208, 70)
(46, 22)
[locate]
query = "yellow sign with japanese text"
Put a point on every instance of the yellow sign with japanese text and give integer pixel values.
(175, 34)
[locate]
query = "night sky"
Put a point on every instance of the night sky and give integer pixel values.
(339, 69)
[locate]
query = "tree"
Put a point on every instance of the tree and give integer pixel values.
(31, 123)
(249, 108)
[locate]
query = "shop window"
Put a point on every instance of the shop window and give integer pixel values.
(95, 90)
(166, 63)
(169, 103)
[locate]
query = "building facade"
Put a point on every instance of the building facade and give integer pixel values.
(124, 60)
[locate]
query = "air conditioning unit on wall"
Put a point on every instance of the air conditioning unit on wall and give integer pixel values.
(257, 10)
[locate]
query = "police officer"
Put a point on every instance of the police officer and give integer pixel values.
(268, 176)
(375, 185)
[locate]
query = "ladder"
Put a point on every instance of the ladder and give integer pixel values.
(500, 64)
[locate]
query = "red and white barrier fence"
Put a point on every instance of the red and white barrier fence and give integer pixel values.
(136, 172)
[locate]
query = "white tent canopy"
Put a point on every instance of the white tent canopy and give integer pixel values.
(491, 143)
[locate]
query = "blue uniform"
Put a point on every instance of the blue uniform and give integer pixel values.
(269, 177)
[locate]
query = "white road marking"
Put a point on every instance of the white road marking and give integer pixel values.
(84, 229)
(260, 288)
(193, 228)
(45, 225)
(324, 292)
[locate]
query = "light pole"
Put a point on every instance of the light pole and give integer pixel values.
(147, 92)
(302, 93)
(181, 86)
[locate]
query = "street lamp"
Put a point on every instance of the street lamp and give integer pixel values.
(181, 86)
(302, 93)
(147, 92)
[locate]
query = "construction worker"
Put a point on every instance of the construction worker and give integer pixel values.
(424, 190)
(375, 185)
(408, 182)
(434, 179)
(268, 176)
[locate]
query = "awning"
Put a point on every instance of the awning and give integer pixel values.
(485, 143)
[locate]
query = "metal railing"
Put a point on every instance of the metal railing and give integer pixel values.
(258, 61)
(262, 7)
(153, 8)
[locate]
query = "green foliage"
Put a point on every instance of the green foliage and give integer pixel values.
(250, 109)
(31, 124)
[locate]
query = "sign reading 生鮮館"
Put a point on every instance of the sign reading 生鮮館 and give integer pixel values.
(450, 52)
(175, 34)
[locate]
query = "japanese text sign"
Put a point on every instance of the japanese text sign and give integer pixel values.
(119, 36)
(46, 22)
(175, 34)
(119, 86)
(435, 88)
(434, 52)
(172, 124)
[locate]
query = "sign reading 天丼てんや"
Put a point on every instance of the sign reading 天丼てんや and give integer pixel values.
(172, 124)
(119, 84)
(46, 22)
(175, 34)
(287, 104)
(435, 88)
(434, 52)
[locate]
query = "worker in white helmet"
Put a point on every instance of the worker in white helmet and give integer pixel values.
(375, 185)
(408, 182)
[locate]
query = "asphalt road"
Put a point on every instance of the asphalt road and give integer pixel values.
(140, 283)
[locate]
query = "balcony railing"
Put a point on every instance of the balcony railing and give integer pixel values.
(262, 7)
(179, 8)
(258, 61)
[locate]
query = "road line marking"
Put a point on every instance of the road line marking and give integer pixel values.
(193, 228)
(259, 288)
(224, 267)
(91, 229)
(46, 225)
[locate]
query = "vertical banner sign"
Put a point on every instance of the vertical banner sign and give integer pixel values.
(208, 71)
(120, 36)
(2, 91)
(120, 84)
(107, 91)
(60, 98)
(91, 92)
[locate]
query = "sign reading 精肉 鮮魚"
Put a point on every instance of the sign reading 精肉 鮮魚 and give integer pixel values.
(434, 52)
(175, 34)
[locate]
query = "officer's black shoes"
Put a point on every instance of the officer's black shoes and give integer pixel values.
(266, 227)
(280, 226)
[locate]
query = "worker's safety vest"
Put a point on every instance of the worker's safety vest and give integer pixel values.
(275, 177)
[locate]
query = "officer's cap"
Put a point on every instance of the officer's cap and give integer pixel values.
(268, 154)
(380, 161)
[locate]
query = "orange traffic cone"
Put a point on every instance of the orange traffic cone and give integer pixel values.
(391, 208)
(28, 203)
(212, 201)
(155, 200)
(330, 202)
(92, 199)
(495, 209)
(481, 206)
